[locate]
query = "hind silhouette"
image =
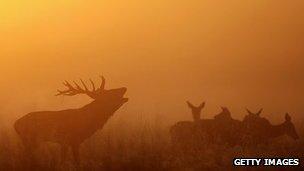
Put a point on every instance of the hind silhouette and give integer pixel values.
(226, 130)
(258, 130)
(188, 135)
(196, 110)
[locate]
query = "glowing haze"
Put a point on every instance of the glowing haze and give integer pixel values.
(237, 53)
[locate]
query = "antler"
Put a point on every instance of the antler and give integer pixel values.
(74, 90)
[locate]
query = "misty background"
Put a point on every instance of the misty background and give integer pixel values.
(236, 54)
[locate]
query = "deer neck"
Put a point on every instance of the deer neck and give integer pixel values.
(97, 112)
(196, 118)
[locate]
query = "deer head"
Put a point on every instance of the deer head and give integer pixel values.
(253, 118)
(112, 98)
(290, 128)
(225, 114)
(196, 111)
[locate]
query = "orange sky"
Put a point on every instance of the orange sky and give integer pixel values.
(237, 53)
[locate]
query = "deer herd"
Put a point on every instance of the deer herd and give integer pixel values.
(70, 128)
(224, 130)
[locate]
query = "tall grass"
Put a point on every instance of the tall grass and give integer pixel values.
(143, 146)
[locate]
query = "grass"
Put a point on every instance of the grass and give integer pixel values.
(144, 146)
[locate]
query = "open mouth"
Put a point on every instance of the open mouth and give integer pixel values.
(124, 99)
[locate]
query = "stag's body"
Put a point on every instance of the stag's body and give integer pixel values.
(70, 127)
(66, 126)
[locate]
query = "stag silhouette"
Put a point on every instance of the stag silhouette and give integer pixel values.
(71, 127)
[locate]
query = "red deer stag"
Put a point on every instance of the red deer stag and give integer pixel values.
(71, 127)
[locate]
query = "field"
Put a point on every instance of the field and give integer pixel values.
(142, 146)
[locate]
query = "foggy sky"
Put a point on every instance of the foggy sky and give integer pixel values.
(236, 54)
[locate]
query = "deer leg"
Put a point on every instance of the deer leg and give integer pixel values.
(64, 151)
(29, 153)
(29, 147)
(75, 150)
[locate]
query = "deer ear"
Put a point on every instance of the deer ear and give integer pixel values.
(225, 110)
(228, 111)
(259, 112)
(103, 82)
(248, 111)
(287, 117)
(190, 105)
(202, 105)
